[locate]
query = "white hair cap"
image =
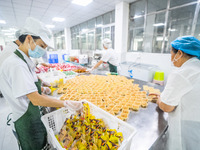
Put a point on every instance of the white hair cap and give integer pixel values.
(36, 28)
(107, 43)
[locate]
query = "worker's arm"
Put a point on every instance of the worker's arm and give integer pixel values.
(164, 107)
(41, 100)
(45, 65)
(98, 64)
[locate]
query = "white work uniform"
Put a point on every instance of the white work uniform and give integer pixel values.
(111, 57)
(9, 49)
(16, 81)
(183, 90)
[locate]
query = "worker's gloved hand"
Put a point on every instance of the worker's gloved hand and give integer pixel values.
(74, 105)
(46, 90)
(46, 84)
(90, 70)
(154, 97)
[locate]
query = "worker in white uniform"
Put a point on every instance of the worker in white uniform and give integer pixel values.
(110, 57)
(181, 96)
(22, 89)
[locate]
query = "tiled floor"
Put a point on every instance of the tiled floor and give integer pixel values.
(7, 139)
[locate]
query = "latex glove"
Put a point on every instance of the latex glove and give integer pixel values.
(74, 105)
(46, 90)
(90, 70)
(46, 83)
(154, 97)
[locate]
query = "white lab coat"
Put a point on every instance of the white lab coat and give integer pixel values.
(110, 56)
(183, 90)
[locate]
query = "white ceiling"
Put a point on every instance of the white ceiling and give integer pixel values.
(14, 12)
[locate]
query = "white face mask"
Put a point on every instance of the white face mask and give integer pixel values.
(175, 60)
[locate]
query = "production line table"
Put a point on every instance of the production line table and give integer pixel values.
(149, 122)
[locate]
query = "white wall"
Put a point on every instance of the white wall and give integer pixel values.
(163, 61)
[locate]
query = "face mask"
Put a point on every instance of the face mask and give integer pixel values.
(37, 52)
(175, 60)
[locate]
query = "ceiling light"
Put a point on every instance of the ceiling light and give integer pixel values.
(10, 36)
(137, 16)
(84, 30)
(57, 19)
(13, 29)
(5, 30)
(2, 21)
(8, 33)
(158, 24)
(82, 2)
(99, 25)
(107, 32)
(50, 26)
(172, 30)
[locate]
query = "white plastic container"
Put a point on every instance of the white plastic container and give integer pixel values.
(55, 120)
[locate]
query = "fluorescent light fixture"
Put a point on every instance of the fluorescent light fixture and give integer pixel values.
(99, 25)
(57, 19)
(172, 30)
(50, 26)
(91, 34)
(8, 33)
(10, 36)
(84, 30)
(137, 16)
(2, 21)
(82, 2)
(5, 30)
(158, 24)
(107, 32)
(159, 39)
(13, 29)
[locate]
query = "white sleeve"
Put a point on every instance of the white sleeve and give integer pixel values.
(106, 56)
(177, 86)
(22, 81)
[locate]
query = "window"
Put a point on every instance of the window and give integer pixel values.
(137, 9)
(154, 24)
(179, 23)
(98, 38)
(88, 35)
(174, 3)
(91, 23)
(91, 42)
(197, 30)
(156, 5)
(154, 33)
(107, 18)
(59, 40)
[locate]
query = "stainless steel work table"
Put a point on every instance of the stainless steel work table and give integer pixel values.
(150, 122)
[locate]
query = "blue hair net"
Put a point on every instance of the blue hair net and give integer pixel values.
(187, 44)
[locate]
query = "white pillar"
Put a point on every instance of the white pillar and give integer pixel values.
(121, 29)
(67, 39)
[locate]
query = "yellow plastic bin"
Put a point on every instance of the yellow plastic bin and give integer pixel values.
(159, 77)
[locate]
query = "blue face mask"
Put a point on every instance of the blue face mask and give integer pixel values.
(37, 52)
